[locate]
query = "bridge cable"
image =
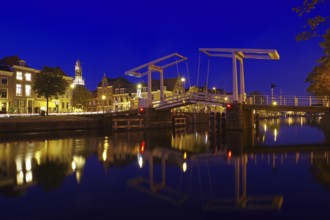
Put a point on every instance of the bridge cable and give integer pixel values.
(199, 65)
(188, 74)
(177, 66)
(207, 74)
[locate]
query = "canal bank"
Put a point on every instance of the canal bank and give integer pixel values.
(47, 123)
(118, 121)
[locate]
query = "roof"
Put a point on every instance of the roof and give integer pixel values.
(13, 60)
(169, 83)
(5, 68)
(118, 82)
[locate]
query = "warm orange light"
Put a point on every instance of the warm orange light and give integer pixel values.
(142, 146)
(229, 154)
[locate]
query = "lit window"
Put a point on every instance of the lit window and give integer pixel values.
(4, 93)
(28, 76)
(18, 90)
(27, 90)
(19, 75)
(4, 81)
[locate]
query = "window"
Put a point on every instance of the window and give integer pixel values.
(27, 90)
(4, 93)
(122, 90)
(28, 76)
(116, 91)
(19, 75)
(4, 81)
(18, 90)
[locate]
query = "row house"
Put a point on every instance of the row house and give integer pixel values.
(119, 94)
(17, 95)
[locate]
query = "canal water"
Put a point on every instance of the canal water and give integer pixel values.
(280, 170)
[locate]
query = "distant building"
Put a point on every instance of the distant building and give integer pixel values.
(119, 94)
(78, 79)
(6, 96)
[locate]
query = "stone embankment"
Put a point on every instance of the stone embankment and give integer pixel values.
(48, 123)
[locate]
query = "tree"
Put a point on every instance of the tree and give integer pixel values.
(49, 82)
(316, 24)
(319, 78)
(80, 96)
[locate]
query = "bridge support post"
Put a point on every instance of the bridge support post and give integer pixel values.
(157, 119)
(239, 118)
(235, 86)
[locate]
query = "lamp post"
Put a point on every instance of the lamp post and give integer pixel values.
(103, 98)
(272, 86)
(214, 89)
(183, 80)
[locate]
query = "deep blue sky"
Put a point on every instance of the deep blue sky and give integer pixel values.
(114, 36)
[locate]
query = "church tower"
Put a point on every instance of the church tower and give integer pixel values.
(78, 80)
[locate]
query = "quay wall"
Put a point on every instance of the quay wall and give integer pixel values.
(46, 123)
(85, 122)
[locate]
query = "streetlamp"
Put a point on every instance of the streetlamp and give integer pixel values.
(183, 80)
(214, 89)
(103, 98)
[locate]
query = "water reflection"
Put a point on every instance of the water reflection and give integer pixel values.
(290, 129)
(231, 171)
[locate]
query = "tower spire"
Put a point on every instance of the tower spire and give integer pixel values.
(78, 80)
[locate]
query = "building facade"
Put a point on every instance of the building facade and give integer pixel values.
(17, 95)
(119, 94)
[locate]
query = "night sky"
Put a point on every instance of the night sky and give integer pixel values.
(114, 36)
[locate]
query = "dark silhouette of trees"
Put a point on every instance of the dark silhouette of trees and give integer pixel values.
(80, 96)
(317, 25)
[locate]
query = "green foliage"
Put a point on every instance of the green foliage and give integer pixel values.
(80, 96)
(317, 25)
(314, 21)
(50, 83)
(319, 78)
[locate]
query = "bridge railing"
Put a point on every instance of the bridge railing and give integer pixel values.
(220, 99)
(193, 97)
(288, 100)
